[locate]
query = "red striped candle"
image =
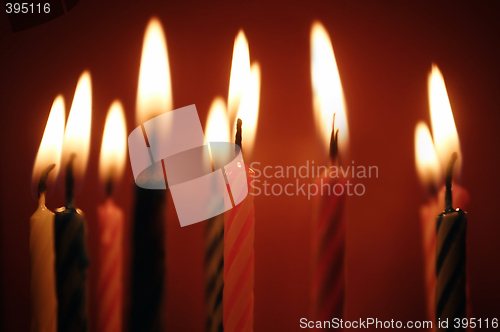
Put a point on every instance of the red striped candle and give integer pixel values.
(328, 280)
(328, 245)
(110, 282)
(239, 234)
(110, 224)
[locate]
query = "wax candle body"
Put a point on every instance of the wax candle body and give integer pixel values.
(110, 282)
(239, 234)
(428, 213)
(71, 269)
(328, 281)
(148, 265)
(450, 267)
(43, 282)
(214, 266)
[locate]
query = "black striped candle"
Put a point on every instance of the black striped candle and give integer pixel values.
(450, 261)
(214, 267)
(71, 262)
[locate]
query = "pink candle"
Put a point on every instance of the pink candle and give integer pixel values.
(239, 234)
(110, 284)
(239, 222)
(328, 243)
(110, 224)
(328, 246)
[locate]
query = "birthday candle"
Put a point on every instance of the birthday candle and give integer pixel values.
(328, 243)
(70, 231)
(239, 222)
(43, 292)
(154, 97)
(239, 260)
(451, 228)
(217, 130)
(110, 224)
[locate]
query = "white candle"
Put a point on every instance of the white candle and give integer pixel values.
(43, 293)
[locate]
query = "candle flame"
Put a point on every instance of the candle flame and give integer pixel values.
(154, 93)
(50, 148)
(77, 133)
(217, 128)
(426, 160)
(248, 111)
(114, 145)
(328, 97)
(444, 131)
(240, 75)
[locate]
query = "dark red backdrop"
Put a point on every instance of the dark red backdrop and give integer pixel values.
(384, 53)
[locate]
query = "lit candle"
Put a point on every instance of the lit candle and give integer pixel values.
(69, 225)
(110, 224)
(328, 288)
(154, 97)
(43, 282)
(239, 222)
(217, 130)
(451, 295)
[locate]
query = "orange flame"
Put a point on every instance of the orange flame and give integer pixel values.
(444, 131)
(426, 160)
(114, 145)
(328, 97)
(244, 93)
(77, 133)
(154, 93)
(50, 148)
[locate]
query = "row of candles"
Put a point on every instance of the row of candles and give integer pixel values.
(59, 257)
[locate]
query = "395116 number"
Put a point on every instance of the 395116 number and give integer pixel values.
(475, 323)
(25, 8)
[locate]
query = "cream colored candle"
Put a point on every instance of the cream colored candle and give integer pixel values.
(42, 255)
(43, 294)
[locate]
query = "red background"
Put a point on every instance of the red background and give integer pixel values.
(384, 53)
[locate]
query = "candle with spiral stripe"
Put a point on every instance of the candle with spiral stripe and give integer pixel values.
(239, 257)
(214, 265)
(328, 245)
(451, 227)
(216, 130)
(451, 298)
(329, 226)
(70, 228)
(110, 224)
(239, 261)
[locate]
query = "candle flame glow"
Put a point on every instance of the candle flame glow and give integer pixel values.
(248, 111)
(217, 128)
(328, 97)
(114, 145)
(240, 75)
(444, 131)
(77, 133)
(244, 93)
(50, 148)
(154, 93)
(426, 160)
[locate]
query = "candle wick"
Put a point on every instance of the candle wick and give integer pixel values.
(449, 177)
(42, 184)
(334, 147)
(109, 187)
(238, 139)
(70, 180)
